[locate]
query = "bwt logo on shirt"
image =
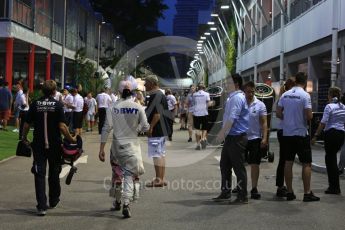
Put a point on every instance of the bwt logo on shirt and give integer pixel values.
(44, 103)
(125, 111)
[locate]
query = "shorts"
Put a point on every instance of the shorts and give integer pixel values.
(292, 145)
(90, 117)
(16, 113)
(77, 120)
(200, 123)
(156, 147)
(254, 151)
(5, 115)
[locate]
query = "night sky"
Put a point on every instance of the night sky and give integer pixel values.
(166, 25)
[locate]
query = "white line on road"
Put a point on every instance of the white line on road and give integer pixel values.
(65, 170)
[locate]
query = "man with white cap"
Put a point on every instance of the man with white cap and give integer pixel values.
(125, 117)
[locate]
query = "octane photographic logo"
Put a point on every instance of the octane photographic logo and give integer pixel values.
(178, 154)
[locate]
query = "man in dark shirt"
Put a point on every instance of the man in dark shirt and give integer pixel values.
(157, 115)
(47, 116)
(5, 104)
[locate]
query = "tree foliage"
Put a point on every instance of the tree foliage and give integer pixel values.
(230, 60)
(85, 72)
(132, 18)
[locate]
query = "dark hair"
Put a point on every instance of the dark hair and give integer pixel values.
(48, 88)
(289, 84)
(249, 84)
(335, 92)
(237, 80)
(168, 91)
(301, 78)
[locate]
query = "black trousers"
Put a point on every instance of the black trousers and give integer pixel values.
(171, 123)
(281, 164)
(68, 116)
(233, 157)
(22, 117)
(41, 156)
(101, 115)
(334, 139)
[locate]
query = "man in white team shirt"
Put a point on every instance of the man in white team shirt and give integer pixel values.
(67, 101)
(201, 101)
(103, 100)
(294, 108)
(78, 104)
(257, 135)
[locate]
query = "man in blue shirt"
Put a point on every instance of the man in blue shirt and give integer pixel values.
(5, 104)
(234, 131)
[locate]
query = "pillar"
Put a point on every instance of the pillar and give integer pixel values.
(9, 61)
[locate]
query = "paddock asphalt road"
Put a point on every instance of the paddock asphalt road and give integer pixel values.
(193, 179)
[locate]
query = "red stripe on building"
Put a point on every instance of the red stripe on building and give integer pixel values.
(9, 61)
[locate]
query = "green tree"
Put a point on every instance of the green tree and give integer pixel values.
(231, 51)
(132, 18)
(85, 73)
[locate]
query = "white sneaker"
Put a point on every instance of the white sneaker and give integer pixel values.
(15, 130)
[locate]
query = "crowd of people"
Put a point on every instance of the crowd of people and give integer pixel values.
(244, 134)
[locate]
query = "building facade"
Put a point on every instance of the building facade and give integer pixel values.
(277, 39)
(31, 38)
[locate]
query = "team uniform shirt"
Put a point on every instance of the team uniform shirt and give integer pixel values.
(91, 104)
(200, 99)
(236, 111)
(157, 103)
(334, 116)
(257, 109)
(23, 103)
(46, 114)
(58, 96)
(171, 101)
(103, 100)
(78, 103)
(114, 98)
(294, 102)
(17, 99)
(68, 99)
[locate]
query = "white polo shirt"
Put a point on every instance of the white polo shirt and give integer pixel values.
(334, 116)
(68, 99)
(103, 100)
(200, 99)
(78, 103)
(257, 109)
(171, 102)
(294, 102)
(57, 96)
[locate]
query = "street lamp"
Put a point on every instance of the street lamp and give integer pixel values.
(225, 7)
(63, 46)
(99, 42)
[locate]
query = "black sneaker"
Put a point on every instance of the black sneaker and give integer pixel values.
(281, 191)
(203, 144)
(54, 205)
(235, 190)
(333, 191)
(290, 196)
(41, 212)
(126, 211)
(198, 147)
(190, 139)
(254, 194)
(116, 206)
(310, 197)
(224, 196)
(240, 200)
